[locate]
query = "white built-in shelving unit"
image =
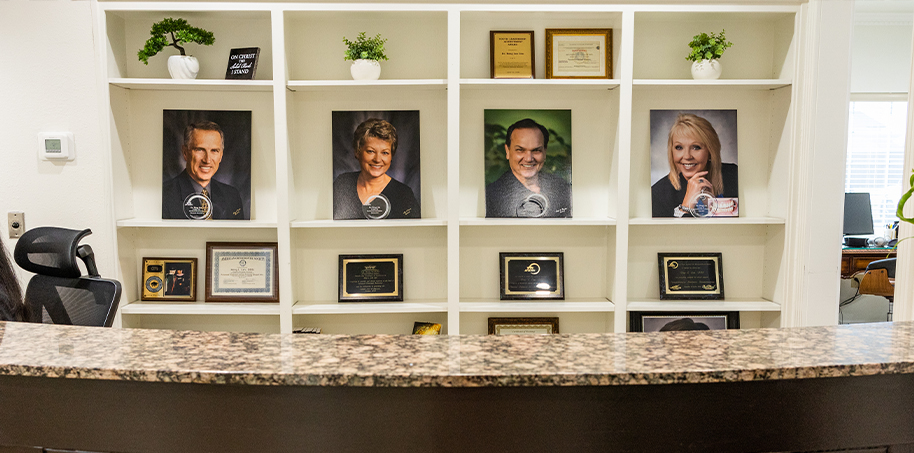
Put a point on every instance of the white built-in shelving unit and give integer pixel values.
(439, 65)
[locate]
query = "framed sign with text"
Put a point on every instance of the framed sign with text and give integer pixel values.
(532, 275)
(371, 278)
(242, 272)
(691, 276)
(579, 53)
(511, 55)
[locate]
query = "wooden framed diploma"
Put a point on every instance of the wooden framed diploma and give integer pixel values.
(529, 276)
(511, 55)
(242, 272)
(371, 278)
(579, 53)
(691, 276)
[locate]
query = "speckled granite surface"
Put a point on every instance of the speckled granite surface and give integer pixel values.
(455, 361)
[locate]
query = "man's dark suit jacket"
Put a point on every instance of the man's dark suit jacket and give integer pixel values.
(226, 200)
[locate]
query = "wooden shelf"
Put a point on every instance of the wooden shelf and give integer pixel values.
(192, 85)
(198, 308)
(351, 308)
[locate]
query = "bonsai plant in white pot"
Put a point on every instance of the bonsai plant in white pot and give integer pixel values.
(365, 54)
(706, 51)
(176, 33)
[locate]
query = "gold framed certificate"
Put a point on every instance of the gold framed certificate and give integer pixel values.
(242, 272)
(511, 55)
(579, 53)
(523, 326)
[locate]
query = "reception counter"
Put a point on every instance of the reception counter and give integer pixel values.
(821, 388)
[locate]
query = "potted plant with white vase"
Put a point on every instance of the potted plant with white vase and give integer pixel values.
(365, 54)
(176, 33)
(706, 51)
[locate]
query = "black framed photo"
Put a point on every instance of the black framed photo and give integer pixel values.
(169, 279)
(371, 278)
(694, 161)
(648, 321)
(206, 165)
(691, 276)
(527, 158)
(524, 326)
(242, 272)
(376, 165)
(528, 276)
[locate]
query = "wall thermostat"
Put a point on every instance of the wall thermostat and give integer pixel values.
(56, 146)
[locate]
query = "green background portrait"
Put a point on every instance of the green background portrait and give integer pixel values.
(558, 150)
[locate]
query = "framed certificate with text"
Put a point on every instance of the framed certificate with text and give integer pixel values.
(691, 276)
(532, 275)
(242, 272)
(523, 326)
(579, 53)
(371, 278)
(511, 55)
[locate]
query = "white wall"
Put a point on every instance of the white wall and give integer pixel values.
(881, 48)
(49, 83)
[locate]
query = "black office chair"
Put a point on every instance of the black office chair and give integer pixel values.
(59, 293)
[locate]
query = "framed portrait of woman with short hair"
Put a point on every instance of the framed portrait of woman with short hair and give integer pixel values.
(694, 163)
(376, 171)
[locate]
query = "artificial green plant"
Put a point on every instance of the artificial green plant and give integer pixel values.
(174, 33)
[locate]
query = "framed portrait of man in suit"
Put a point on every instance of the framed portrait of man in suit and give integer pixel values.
(206, 165)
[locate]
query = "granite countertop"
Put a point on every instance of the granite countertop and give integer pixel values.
(455, 361)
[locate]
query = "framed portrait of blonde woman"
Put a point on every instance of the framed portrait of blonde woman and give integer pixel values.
(694, 169)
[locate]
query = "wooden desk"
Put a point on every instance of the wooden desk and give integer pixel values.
(854, 260)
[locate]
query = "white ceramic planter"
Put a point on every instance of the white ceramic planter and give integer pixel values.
(183, 67)
(365, 70)
(706, 70)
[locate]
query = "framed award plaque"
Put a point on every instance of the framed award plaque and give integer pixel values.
(242, 272)
(691, 276)
(511, 55)
(523, 326)
(532, 275)
(170, 279)
(371, 278)
(579, 53)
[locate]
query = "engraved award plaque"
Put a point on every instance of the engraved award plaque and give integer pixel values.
(691, 276)
(536, 205)
(371, 278)
(377, 207)
(170, 279)
(511, 55)
(198, 207)
(532, 276)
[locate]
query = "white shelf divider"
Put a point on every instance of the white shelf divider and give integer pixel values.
(703, 305)
(192, 85)
(759, 84)
(595, 305)
(352, 308)
(324, 85)
(540, 84)
(199, 308)
(369, 223)
(140, 223)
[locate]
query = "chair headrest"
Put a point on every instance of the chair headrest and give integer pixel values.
(887, 264)
(50, 251)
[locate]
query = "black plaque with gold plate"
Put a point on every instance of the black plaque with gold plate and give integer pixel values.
(371, 278)
(169, 279)
(532, 275)
(691, 276)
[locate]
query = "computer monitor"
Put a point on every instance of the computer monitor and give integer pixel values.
(858, 214)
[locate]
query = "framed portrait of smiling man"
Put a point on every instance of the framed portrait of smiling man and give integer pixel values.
(528, 163)
(206, 165)
(376, 172)
(694, 163)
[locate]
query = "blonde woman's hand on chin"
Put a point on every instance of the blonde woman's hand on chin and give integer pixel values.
(695, 185)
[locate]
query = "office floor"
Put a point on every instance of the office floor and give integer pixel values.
(864, 308)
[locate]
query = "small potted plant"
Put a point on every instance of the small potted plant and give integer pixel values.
(176, 33)
(365, 53)
(706, 50)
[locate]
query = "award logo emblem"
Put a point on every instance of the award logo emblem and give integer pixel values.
(533, 268)
(153, 284)
(377, 207)
(534, 205)
(198, 207)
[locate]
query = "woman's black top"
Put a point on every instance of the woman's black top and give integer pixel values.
(665, 198)
(346, 203)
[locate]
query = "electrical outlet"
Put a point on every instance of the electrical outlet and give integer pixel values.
(16, 223)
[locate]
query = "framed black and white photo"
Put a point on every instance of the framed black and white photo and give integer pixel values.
(643, 321)
(376, 165)
(694, 169)
(206, 165)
